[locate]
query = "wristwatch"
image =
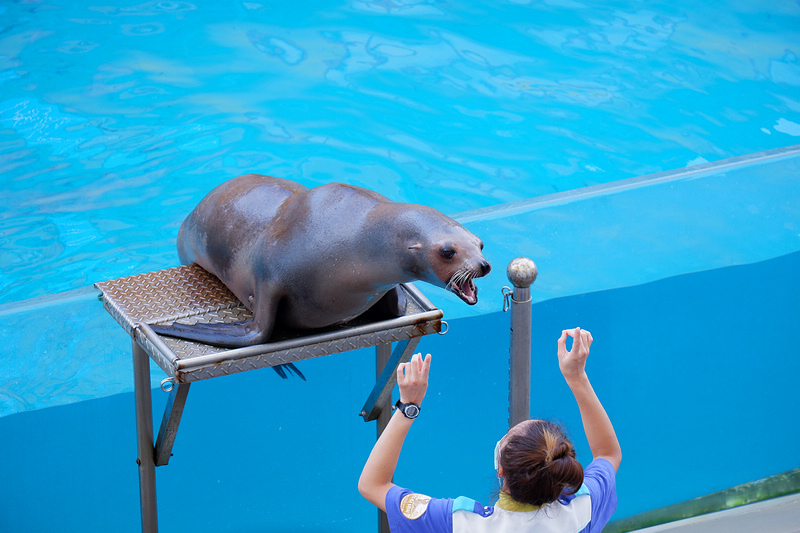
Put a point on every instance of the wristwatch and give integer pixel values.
(410, 410)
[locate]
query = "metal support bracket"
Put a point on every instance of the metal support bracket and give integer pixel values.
(388, 378)
(170, 422)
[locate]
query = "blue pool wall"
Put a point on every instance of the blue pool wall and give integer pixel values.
(696, 371)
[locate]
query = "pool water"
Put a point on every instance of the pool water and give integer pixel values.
(522, 119)
(116, 118)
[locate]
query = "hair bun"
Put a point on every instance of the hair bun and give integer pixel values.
(534, 471)
(559, 451)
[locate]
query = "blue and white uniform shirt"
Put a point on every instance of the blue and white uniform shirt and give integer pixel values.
(586, 512)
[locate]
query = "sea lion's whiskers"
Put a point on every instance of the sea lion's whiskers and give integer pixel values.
(455, 279)
(461, 276)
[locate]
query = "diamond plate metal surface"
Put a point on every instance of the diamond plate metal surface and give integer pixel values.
(191, 295)
(166, 295)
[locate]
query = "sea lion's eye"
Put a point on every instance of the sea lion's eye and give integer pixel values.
(448, 253)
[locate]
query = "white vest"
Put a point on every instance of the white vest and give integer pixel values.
(552, 518)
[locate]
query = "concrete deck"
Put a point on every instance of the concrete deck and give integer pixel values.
(778, 515)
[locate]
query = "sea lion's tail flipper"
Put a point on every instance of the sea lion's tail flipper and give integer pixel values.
(231, 335)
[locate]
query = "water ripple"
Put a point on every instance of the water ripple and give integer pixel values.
(116, 119)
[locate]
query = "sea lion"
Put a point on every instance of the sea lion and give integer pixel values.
(309, 258)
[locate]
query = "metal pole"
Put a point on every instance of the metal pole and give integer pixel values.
(144, 439)
(522, 273)
(382, 354)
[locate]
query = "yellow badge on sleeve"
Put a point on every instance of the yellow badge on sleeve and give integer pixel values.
(414, 505)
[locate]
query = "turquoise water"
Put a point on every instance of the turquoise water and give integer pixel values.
(116, 118)
(524, 120)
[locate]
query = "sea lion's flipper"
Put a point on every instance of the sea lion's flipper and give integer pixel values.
(231, 335)
(391, 305)
(281, 371)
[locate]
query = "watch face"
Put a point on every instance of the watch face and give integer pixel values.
(411, 411)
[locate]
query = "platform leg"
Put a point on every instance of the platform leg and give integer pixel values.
(383, 353)
(144, 440)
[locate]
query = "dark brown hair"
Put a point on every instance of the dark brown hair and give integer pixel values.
(539, 463)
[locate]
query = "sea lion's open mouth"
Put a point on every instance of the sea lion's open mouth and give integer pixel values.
(461, 285)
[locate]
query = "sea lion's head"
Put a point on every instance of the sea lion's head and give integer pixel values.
(457, 263)
(446, 254)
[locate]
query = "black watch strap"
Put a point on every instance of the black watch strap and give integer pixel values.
(409, 410)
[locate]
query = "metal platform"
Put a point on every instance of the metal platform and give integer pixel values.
(190, 294)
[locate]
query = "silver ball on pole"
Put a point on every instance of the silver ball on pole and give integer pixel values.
(522, 272)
